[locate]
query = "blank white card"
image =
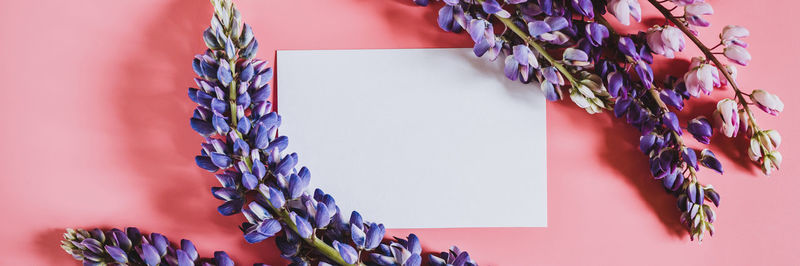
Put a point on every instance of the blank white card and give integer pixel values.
(417, 138)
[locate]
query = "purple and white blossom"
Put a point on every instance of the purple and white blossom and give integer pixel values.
(726, 117)
(131, 247)
(702, 77)
(624, 9)
(665, 40)
(768, 102)
(259, 177)
(694, 13)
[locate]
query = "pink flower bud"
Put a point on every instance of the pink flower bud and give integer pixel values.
(731, 35)
(768, 102)
(726, 117)
(737, 54)
(694, 13)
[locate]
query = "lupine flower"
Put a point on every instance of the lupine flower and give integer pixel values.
(482, 34)
(259, 178)
(492, 7)
(597, 33)
(769, 103)
(452, 18)
(665, 40)
(701, 130)
(685, 2)
(726, 117)
(598, 79)
(548, 29)
(584, 7)
(694, 13)
(521, 63)
(702, 77)
(115, 247)
(772, 162)
(737, 54)
(622, 9)
(732, 34)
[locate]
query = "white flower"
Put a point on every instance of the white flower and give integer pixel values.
(769, 103)
(622, 9)
(726, 117)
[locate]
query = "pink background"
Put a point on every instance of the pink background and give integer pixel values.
(95, 133)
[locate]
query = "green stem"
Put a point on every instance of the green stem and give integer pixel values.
(707, 52)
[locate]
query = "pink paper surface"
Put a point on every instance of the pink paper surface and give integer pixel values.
(95, 133)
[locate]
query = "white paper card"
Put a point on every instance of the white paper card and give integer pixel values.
(417, 138)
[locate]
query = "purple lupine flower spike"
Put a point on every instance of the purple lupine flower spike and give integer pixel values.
(243, 147)
(116, 247)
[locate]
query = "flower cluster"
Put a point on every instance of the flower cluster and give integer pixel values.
(569, 46)
(260, 179)
(131, 247)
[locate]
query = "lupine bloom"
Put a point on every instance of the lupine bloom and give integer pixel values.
(584, 7)
(548, 29)
(701, 130)
(685, 2)
(259, 178)
(624, 9)
(702, 77)
(695, 12)
(768, 102)
(665, 40)
(451, 17)
(726, 117)
(732, 34)
(598, 81)
(737, 54)
(521, 63)
(115, 247)
(597, 33)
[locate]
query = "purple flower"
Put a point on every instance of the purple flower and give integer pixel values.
(701, 130)
(596, 33)
(708, 159)
(694, 13)
(452, 18)
(549, 29)
(492, 7)
(584, 7)
(112, 247)
(521, 63)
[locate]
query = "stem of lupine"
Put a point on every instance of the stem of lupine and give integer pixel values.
(707, 52)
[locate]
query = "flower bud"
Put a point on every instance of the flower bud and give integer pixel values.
(701, 130)
(737, 54)
(754, 152)
(726, 117)
(769, 103)
(694, 13)
(731, 35)
(665, 40)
